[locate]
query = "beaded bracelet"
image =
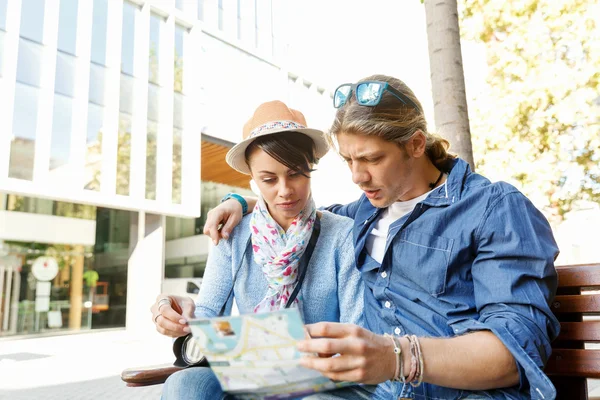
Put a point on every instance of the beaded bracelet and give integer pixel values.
(415, 376)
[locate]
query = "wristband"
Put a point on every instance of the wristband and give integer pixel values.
(239, 198)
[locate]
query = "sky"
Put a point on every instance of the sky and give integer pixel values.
(335, 41)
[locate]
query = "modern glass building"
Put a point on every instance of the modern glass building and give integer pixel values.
(114, 121)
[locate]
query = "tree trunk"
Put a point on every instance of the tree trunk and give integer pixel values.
(447, 77)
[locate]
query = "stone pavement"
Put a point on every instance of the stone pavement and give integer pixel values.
(79, 366)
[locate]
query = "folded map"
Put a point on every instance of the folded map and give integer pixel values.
(254, 356)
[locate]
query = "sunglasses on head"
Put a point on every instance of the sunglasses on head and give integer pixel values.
(367, 93)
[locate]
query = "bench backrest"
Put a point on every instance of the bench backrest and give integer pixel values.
(577, 307)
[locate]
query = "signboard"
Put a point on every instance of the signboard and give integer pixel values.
(44, 268)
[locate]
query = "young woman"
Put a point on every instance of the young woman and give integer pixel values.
(261, 260)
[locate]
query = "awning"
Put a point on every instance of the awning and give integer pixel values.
(213, 167)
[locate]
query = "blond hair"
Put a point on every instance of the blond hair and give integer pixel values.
(392, 121)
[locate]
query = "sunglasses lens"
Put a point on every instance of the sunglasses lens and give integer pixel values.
(367, 94)
(341, 96)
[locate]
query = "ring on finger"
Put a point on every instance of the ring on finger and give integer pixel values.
(163, 302)
(156, 318)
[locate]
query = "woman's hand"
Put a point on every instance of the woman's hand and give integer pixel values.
(170, 314)
(364, 357)
(228, 214)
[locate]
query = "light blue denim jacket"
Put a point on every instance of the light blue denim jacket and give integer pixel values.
(332, 289)
(472, 256)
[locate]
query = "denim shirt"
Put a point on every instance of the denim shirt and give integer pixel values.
(472, 256)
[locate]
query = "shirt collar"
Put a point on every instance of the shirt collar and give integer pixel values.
(452, 191)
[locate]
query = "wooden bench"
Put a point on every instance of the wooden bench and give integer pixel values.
(570, 364)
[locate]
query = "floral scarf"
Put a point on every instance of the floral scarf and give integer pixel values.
(279, 252)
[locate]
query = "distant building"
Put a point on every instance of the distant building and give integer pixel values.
(115, 119)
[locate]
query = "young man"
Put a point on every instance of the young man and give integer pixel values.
(459, 272)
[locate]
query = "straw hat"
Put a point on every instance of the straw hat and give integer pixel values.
(270, 118)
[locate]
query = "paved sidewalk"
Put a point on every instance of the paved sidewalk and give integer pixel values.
(87, 366)
(79, 367)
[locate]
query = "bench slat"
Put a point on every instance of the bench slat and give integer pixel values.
(589, 303)
(574, 362)
(586, 275)
(145, 376)
(588, 331)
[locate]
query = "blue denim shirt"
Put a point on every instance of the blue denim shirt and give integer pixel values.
(472, 256)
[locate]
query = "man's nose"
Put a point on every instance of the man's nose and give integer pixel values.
(359, 174)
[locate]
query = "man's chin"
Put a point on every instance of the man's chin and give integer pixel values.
(380, 203)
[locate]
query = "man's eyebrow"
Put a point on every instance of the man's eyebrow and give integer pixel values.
(266, 172)
(364, 155)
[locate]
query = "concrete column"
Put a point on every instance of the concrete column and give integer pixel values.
(76, 286)
(145, 270)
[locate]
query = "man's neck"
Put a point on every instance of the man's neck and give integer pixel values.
(427, 175)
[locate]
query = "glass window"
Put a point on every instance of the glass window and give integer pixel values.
(153, 102)
(156, 23)
(32, 20)
(177, 228)
(178, 100)
(97, 83)
(3, 5)
(178, 104)
(239, 19)
(179, 4)
(186, 267)
(221, 15)
(60, 145)
(256, 23)
(67, 26)
(151, 160)
(29, 62)
(93, 157)
(201, 10)
(176, 195)
(65, 74)
(99, 29)
(104, 264)
(1, 52)
(22, 150)
(180, 34)
(212, 193)
(130, 12)
(126, 94)
(124, 154)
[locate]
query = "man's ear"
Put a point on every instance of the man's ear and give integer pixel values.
(417, 144)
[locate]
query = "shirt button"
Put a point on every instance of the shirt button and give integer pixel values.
(388, 304)
(384, 274)
(397, 331)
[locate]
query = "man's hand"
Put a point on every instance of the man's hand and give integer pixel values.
(228, 214)
(364, 356)
(170, 314)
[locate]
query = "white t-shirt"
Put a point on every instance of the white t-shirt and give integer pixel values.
(377, 238)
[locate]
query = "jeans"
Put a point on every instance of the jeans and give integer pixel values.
(192, 384)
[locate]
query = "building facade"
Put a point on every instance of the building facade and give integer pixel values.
(115, 119)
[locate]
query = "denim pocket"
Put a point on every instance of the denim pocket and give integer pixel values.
(423, 259)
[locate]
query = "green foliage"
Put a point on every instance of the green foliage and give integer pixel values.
(537, 123)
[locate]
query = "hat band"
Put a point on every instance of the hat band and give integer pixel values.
(275, 124)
